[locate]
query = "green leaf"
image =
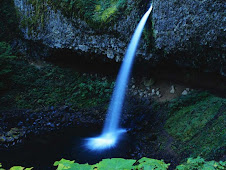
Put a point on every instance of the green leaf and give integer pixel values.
(17, 168)
(200, 163)
(116, 164)
(149, 164)
(81, 167)
(63, 164)
(70, 165)
(20, 168)
(1, 167)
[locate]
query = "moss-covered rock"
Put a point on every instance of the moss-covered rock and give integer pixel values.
(196, 122)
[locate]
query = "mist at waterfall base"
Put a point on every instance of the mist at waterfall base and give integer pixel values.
(111, 132)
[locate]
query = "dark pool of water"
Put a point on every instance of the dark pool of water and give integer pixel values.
(42, 152)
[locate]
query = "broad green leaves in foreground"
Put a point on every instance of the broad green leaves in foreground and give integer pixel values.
(130, 164)
(142, 164)
(117, 163)
(114, 164)
(66, 164)
(200, 163)
(20, 168)
(16, 168)
(147, 163)
(1, 167)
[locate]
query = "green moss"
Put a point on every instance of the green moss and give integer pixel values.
(210, 141)
(97, 13)
(35, 19)
(196, 122)
(192, 118)
(148, 35)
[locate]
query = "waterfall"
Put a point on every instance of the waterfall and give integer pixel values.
(111, 131)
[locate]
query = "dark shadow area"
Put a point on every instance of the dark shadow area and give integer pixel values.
(193, 78)
(41, 152)
(94, 64)
(9, 27)
(86, 63)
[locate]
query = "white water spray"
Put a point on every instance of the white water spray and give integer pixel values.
(111, 130)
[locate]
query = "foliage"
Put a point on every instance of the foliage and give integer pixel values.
(200, 163)
(16, 168)
(5, 50)
(1, 167)
(97, 13)
(147, 163)
(130, 164)
(5, 64)
(37, 86)
(114, 163)
(66, 164)
(20, 168)
(8, 20)
(117, 163)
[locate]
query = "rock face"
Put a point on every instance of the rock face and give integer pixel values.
(179, 23)
(60, 32)
(186, 33)
(195, 29)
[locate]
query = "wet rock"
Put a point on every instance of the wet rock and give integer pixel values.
(135, 93)
(172, 91)
(3, 138)
(51, 125)
(184, 92)
(149, 82)
(20, 124)
(158, 93)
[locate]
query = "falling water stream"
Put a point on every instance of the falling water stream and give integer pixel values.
(111, 131)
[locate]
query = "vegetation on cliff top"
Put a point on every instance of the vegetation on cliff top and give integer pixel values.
(97, 13)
